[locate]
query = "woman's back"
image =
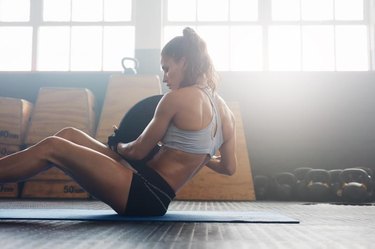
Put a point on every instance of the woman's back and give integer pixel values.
(195, 113)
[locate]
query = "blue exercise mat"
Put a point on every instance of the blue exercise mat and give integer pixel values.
(170, 216)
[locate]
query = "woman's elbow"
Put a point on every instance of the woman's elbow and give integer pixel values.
(231, 171)
(230, 166)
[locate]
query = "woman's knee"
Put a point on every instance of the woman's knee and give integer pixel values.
(67, 133)
(47, 146)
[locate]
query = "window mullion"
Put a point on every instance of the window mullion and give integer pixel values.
(36, 12)
(369, 14)
(265, 16)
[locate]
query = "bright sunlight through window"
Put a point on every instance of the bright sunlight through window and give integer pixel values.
(241, 35)
(277, 35)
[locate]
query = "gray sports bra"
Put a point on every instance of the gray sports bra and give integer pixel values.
(205, 141)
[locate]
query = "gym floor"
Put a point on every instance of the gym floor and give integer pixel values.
(322, 225)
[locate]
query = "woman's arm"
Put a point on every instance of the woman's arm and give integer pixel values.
(153, 133)
(226, 163)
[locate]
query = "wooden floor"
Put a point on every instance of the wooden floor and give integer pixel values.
(322, 225)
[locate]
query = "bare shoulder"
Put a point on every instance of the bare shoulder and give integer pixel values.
(227, 117)
(225, 111)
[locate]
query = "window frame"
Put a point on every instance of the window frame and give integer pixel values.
(36, 21)
(265, 21)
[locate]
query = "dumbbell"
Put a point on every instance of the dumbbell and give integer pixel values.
(335, 184)
(318, 185)
(285, 183)
(300, 190)
(356, 184)
(261, 184)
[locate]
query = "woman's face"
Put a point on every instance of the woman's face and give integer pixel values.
(174, 71)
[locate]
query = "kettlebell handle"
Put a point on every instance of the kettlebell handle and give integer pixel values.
(134, 60)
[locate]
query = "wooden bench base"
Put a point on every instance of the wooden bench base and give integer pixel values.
(9, 190)
(53, 189)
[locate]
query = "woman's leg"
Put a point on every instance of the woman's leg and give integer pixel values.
(99, 174)
(79, 137)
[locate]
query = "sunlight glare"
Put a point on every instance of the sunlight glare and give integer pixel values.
(118, 42)
(217, 40)
(53, 49)
(56, 10)
(318, 48)
(87, 10)
(86, 48)
(284, 48)
(286, 10)
(351, 48)
(15, 51)
(117, 10)
(181, 10)
(243, 10)
(317, 10)
(212, 10)
(246, 48)
(14, 10)
(349, 10)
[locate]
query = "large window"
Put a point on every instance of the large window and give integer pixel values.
(65, 35)
(277, 35)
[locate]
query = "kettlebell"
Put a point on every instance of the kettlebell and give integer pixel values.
(335, 184)
(300, 190)
(318, 185)
(356, 183)
(285, 184)
(261, 184)
(130, 70)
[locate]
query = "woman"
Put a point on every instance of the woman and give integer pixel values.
(191, 121)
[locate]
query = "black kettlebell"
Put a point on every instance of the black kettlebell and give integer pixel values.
(285, 184)
(300, 190)
(356, 183)
(130, 70)
(318, 185)
(335, 184)
(261, 184)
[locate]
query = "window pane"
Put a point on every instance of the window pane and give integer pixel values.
(349, 10)
(318, 48)
(286, 10)
(171, 32)
(217, 40)
(351, 48)
(284, 48)
(212, 10)
(53, 49)
(317, 10)
(15, 51)
(14, 10)
(56, 10)
(118, 43)
(117, 10)
(181, 10)
(87, 10)
(86, 48)
(246, 48)
(243, 10)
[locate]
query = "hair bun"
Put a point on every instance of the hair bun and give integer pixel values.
(190, 34)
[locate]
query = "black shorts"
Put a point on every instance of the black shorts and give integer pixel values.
(149, 195)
